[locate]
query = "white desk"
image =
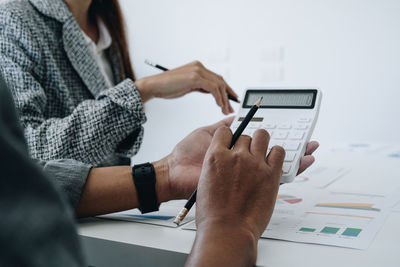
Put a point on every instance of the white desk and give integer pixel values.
(119, 243)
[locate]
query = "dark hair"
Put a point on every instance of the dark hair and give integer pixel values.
(110, 12)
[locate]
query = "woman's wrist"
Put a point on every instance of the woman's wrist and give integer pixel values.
(144, 89)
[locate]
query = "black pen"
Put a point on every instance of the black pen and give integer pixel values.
(189, 204)
(148, 62)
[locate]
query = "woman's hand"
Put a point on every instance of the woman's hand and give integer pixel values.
(188, 78)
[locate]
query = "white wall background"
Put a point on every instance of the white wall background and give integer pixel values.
(348, 48)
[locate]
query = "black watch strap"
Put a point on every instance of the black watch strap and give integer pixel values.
(144, 178)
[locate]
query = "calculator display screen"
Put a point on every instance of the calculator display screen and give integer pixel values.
(296, 98)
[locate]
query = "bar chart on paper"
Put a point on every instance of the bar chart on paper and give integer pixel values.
(339, 223)
(329, 218)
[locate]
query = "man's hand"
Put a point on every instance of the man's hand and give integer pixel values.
(308, 159)
(236, 196)
(183, 166)
(177, 176)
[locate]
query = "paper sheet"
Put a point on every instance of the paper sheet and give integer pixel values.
(164, 217)
(319, 176)
(370, 175)
(395, 198)
(384, 150)
(396, 208)
(360, 147)
(344, 220)
(319, 217)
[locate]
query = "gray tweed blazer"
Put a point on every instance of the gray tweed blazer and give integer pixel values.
(61, 96)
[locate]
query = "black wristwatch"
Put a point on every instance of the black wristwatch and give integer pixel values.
(144, 178)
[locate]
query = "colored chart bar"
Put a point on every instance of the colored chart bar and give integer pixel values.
(155, 217)
(354, 206)
(330, 230)
(289, 199)
(305, 229)
(351, 232)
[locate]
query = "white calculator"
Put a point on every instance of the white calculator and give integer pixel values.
(289, 115)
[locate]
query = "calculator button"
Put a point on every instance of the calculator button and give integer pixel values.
(248, 132)
(269, 126)
(235, 124)
(296, 135)
(291, 146)
(304, 120)
(286, 168)
(254, 124)
(284, 126)
(290, 156)
(273, 143)
(300, 126)
(280, 135)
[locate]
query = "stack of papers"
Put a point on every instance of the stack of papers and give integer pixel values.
(343, 200)
(315, 216)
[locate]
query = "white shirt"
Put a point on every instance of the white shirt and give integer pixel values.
(99, 54)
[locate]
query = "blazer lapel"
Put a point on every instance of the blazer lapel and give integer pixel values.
(82, 58)
(112, 55)
(77, 50)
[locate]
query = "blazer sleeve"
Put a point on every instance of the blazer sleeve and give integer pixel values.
(69, 176)
(94, 129)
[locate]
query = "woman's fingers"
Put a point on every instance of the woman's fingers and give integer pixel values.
(225, 100)
(230, 91)
(222, 87)
(204, 80)
(217, 79)
(212, 88)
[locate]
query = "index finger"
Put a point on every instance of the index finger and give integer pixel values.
(259, 145)
(222, 137)
(276, 157)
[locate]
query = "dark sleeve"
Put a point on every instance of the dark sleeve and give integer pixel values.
(93, 130)
(70, 177)
(37, 226)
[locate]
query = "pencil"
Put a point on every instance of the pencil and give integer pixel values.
(189, 204)
(148, 62)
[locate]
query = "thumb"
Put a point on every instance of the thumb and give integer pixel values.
(225, 122)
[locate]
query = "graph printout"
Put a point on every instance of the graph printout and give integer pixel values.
(336, 219)
(321, 217)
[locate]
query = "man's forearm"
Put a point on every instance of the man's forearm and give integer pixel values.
(223, 246)
(112, 189)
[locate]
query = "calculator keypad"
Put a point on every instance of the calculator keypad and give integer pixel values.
(290, 136)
